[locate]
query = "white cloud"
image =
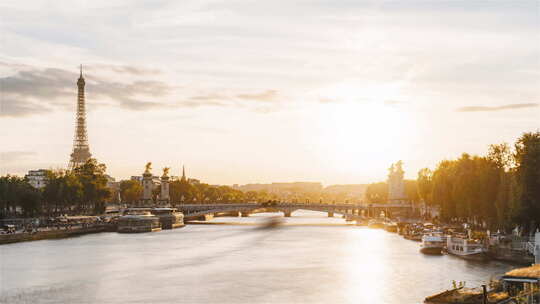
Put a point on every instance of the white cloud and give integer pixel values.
(215, 60)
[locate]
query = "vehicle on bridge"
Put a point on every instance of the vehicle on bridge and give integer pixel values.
(270, 204)
(272, 222)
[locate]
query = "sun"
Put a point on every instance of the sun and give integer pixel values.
(362, 131)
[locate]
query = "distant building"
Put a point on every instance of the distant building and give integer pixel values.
(37, 178)
(112, 183)
(110, 179)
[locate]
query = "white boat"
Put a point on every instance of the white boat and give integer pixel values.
(432, 243)
(466, 248)
(390, 227)
(375, 224)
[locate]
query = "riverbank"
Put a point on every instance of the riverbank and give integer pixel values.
(52, 234)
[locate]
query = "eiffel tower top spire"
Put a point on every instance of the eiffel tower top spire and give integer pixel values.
(81, 149)
(80, 81)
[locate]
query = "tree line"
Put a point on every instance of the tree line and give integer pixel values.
(186, 192)
(500, 190)
(377, 193)
(80, 191)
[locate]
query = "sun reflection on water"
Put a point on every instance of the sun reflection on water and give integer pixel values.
(365, 268)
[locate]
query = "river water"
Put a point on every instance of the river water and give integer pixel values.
(311, 259)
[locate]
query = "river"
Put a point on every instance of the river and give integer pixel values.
(312, 259)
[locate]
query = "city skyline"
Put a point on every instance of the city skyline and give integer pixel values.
(275, 103)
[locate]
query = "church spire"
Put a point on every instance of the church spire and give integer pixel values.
(81, 71)
(183, 173)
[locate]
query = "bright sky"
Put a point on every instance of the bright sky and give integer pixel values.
(262, 91)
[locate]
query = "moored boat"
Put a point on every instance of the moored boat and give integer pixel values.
(361, 222)
(401, 228)
(432, 243)
(376, 224)
(169, 217)
(466, 248)
(414, 236)
(390, 227)
(140, 220)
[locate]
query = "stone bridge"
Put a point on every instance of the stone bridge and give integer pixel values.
(204, 211)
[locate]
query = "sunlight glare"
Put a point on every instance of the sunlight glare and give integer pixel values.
(366, 268)
(356, 134)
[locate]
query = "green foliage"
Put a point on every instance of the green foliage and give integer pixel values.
(81, 191)
(94, 183)
(17, 192)
(130, 191)
(527, 170)
(425, 185)
(411, 191)
(63, 192)
(501, 189)
(377, 193)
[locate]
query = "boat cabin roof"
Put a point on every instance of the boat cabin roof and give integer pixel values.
(529, 274)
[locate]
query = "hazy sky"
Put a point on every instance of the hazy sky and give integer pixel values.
(262, 91)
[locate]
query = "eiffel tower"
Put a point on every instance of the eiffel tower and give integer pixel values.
(81, 150)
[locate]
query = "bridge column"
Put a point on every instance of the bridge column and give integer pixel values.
(330, 214)
(287, 213)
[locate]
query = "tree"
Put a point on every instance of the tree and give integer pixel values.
(181, 191)
(425, 185)
(95, 191)
(527, 159)
(501, 156)
(442, 189)
(200, 192)
(251, 196)
(17, 192)
(30, 199)
(411, 191)
(130, 191)
(377, 193)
